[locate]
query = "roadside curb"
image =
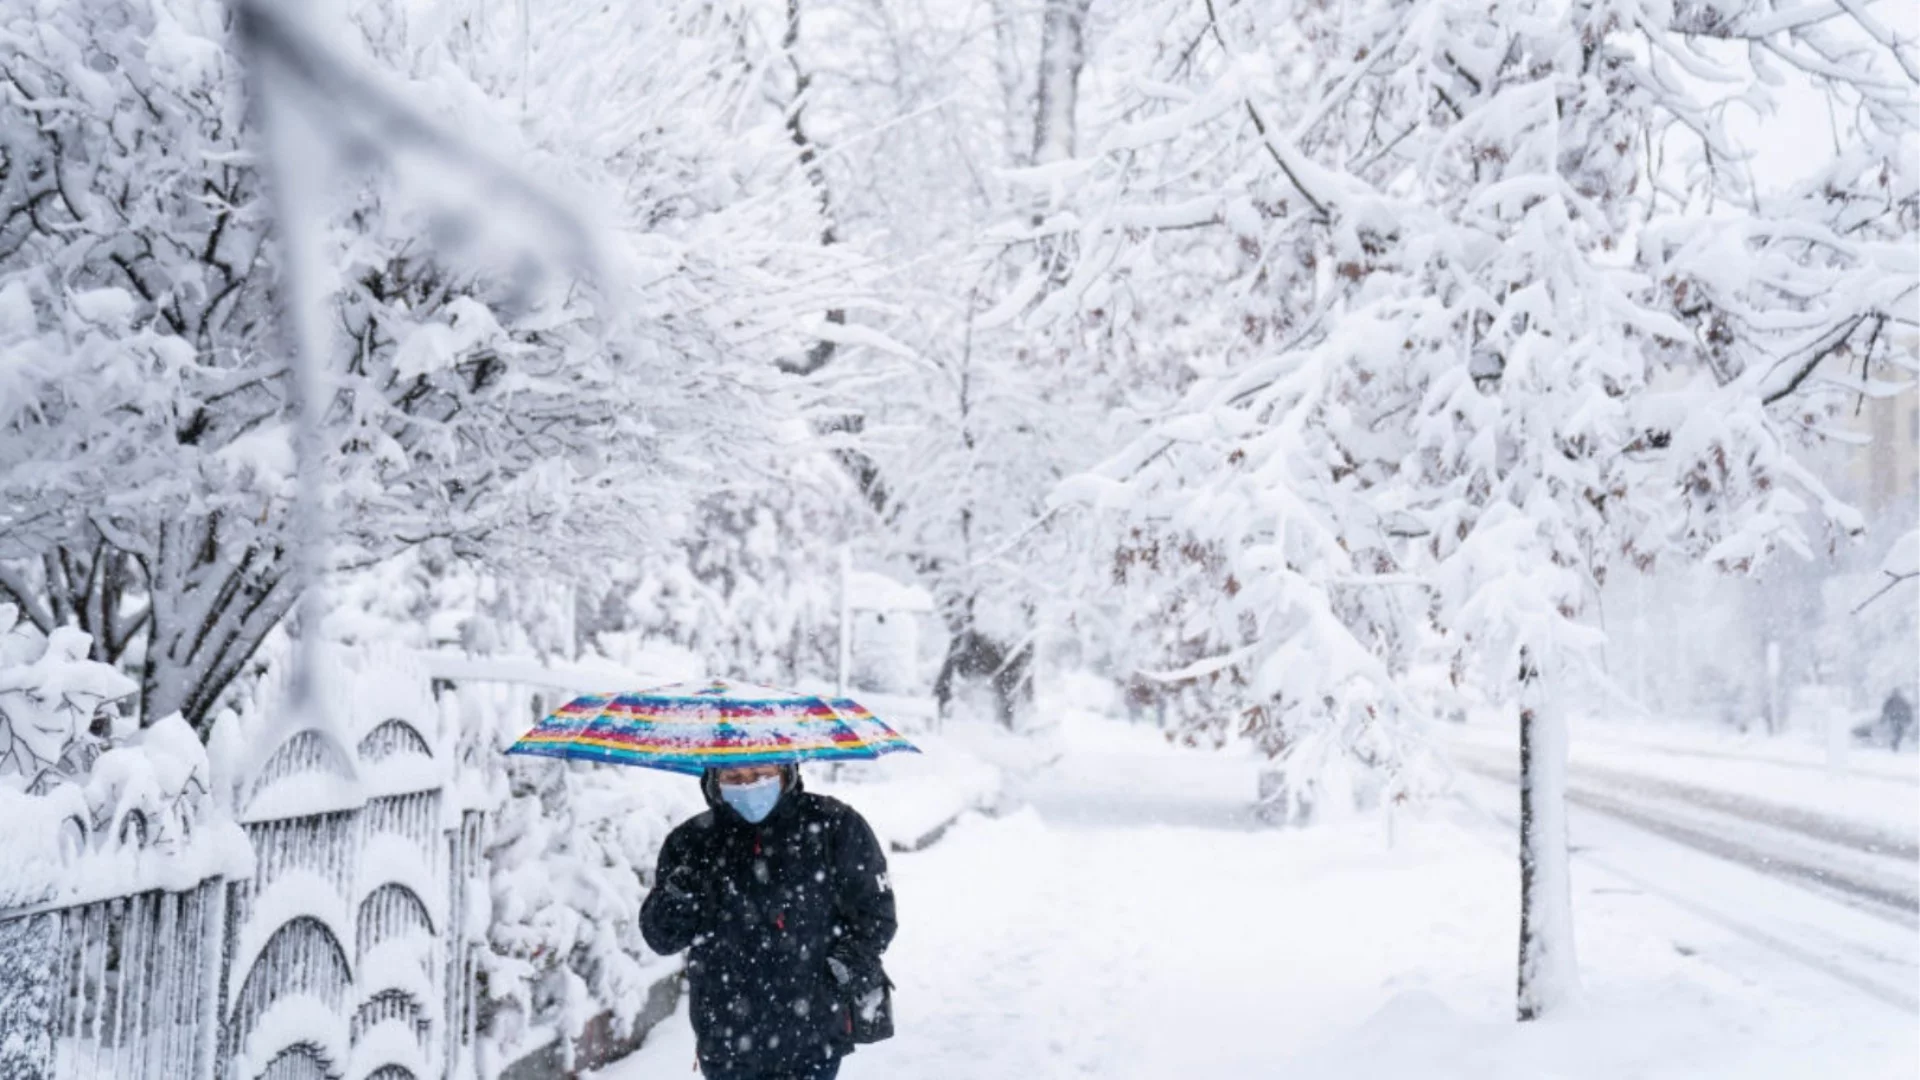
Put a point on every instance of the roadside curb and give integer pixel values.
(993, 806)
(601, 1043)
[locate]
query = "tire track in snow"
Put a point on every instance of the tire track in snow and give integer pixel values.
(1806, 822)
(1897, 997)
(1832, 872)
(1880, 899)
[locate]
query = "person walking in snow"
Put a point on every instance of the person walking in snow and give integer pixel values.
(783, 899)
(1896, 716)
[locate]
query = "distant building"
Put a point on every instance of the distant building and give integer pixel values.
(1692, 643)
(1892, 462)
(1882, 477)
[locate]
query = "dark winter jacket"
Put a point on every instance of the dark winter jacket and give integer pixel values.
(786, 920)
(1896, 713)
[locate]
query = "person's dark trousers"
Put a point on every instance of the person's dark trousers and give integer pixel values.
(826, 1070)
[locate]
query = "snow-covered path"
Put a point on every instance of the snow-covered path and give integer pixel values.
(1128, 922)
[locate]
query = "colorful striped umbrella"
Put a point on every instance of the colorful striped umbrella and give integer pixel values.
(691, 727)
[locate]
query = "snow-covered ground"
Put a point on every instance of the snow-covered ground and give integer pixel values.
(1130, 922)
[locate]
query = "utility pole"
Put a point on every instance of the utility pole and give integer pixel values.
(846, 619)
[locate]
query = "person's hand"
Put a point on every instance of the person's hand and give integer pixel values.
(868, 1004)
(853, 977)
(683, 885)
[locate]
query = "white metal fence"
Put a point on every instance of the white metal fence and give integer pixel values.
(345, 955)
(109, 988)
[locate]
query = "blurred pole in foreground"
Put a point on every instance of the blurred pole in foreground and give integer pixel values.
(294, 167)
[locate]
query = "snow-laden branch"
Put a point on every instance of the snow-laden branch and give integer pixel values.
(1901, 565)
(1488, 359)
(486, 398)
(367, 118)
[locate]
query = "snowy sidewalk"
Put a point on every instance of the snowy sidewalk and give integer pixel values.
(1130, 924)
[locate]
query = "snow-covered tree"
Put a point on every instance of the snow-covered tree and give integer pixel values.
(957, 421)
(484, 393)
(751, 588)
(1510, 312)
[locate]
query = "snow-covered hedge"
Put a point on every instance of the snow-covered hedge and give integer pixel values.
(568, 853)
(95, 805)
(572, 858)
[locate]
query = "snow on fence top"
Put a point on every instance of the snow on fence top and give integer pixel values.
(379, 733)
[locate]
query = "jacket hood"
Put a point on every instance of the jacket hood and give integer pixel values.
(790, 785)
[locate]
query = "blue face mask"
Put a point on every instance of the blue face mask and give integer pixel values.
(753, 801)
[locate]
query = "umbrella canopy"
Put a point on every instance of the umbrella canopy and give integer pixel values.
(692, 727)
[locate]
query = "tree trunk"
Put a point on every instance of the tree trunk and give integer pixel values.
(822, 352)
(1549, 974)
(1007, 669)
(1062, 55)
(210, 610)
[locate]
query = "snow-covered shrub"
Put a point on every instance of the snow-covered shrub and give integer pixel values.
(96, 805)
(58, 707)
(573, 848)
(570, 853)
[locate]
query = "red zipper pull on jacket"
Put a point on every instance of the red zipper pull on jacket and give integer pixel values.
(756, 843)
(780, 921)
